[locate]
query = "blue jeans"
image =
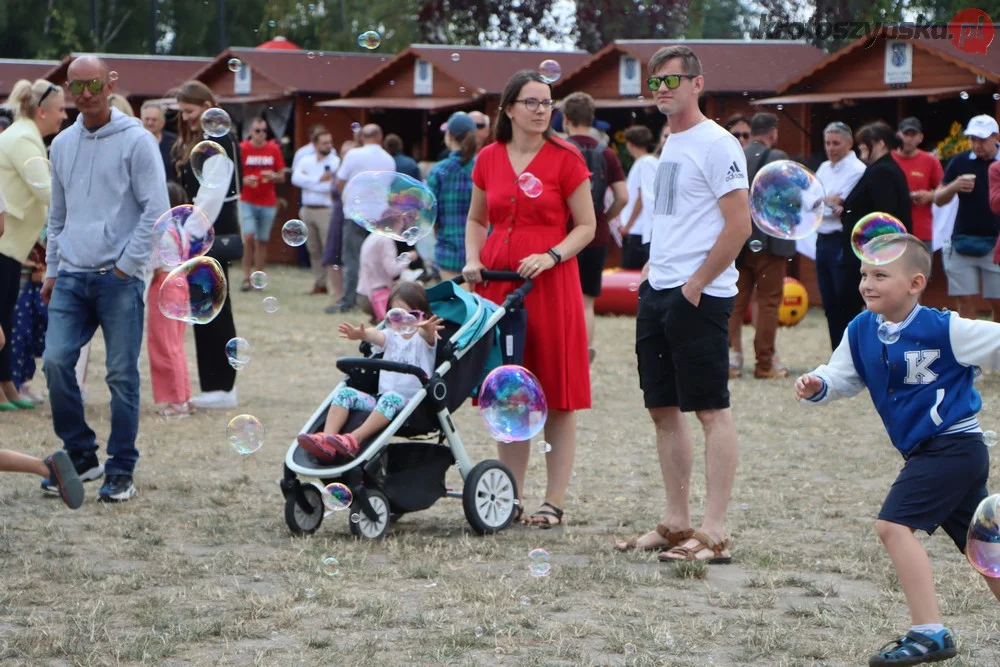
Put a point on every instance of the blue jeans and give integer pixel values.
(829, 267)
(80, 303)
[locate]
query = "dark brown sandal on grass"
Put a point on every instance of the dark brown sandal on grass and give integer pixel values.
(704, 549)
(547, 516)
(672, 538)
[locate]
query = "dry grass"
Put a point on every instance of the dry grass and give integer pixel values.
(200, 569)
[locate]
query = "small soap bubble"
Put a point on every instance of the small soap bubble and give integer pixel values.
(756, 245)
(258, 280)
(878, 238)
(455, 57)
(234, 65)
(530, 184)
(543, 447)
(996, 97)
(525, 600)
(112, 76)
(38, 172)
(246, 434)
(310, 55)
(786, 200)
(238, 353)
(550, 71)
(270, 304)
(309, 593)
(216, 122)
(461, 89)
(355, 127)
(272, 23)
(744, 507)
(182, 233)
(369, 40)
(330, 566)
(990, 438)
(888, 333)
(983, 544)
(211, 164)
(355, 518)
(337, 497)
(633, 287)
(629, 649)
(538, 563)
(294, 232)
(391, 204)
(781, 107)
(479, 632)
(194, 292)
(393, 83)
(964, 95)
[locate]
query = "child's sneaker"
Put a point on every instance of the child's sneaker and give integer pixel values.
(915, 648)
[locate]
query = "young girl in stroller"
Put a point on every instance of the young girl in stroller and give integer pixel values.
(413, 341)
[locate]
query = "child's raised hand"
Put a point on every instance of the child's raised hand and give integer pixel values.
(807, 386)
(431, 326)
(352, 333)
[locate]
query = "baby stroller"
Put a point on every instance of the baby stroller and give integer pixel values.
(395, 473)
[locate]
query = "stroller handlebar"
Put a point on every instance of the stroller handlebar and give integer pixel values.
(504, 276)
(348, 364)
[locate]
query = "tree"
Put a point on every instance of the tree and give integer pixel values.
(502, 22)
(717, 19)
(602, 21)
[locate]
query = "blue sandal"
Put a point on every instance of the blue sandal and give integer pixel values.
(915, 648)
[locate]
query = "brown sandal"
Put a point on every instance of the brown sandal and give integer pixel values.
(673, 539)
(718, 551)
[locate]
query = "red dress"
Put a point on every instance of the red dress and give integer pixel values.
(556, 343)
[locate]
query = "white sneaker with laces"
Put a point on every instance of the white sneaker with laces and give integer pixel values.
(216, 400)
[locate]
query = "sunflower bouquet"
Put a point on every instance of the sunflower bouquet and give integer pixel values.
(956, 142)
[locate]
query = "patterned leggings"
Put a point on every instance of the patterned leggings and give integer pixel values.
(389, 403)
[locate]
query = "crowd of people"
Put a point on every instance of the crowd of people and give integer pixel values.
(683, 217)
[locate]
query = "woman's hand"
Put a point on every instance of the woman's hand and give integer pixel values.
(473, 272)
(532, 266)
(352, 333)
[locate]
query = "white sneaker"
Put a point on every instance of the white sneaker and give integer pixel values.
(215, 400)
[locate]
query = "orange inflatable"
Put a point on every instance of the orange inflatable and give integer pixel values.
(619, 293)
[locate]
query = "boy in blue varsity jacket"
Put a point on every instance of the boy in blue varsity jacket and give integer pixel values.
(918, 364)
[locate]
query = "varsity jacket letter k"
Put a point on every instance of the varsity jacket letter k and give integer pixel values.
(918, 366)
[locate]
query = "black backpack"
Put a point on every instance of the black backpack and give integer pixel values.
(594, 157)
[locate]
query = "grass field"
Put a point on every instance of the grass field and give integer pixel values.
(200, 569)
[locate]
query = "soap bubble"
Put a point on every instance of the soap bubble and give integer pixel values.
(112, 76)
(355, 518)
(337, 497)
(211, 165)
(38, 172)
(549, 71)
(888, 333)
(215, 122)
(525, 600)
(990, 438)
(538, 563)
(246, 434)
(238, 352)
(270, 304)
(182, 233)
(330, 566)
(543, 447)
(756, 245)
(404, 259)
(479, 631)
(401, 321)
(369, 40)
(786, 200)
(391, 204)
(294, 232)
(630, 649)
(194, 292)
(258, 280)
(983, 545)
(512, 404)
(633, 287)
(355, 127)
(964, 95)
(877, 238)
(455, 57)
(310, 55)
(234, 65)
(529, 184)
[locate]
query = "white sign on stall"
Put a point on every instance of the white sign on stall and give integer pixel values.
(423, 78)
(898, 61)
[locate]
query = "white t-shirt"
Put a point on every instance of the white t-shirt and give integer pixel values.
(414, 351)
(370, 157)
(697, 167)
(307, 177)
(641, 182)
(838, 179)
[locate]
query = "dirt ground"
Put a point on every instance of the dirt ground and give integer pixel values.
(200, 569)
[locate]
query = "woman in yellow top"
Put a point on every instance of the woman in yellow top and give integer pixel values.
(39, 109)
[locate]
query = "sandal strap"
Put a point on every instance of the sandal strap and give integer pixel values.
(556, 511)
(703, 542)
(673, 537)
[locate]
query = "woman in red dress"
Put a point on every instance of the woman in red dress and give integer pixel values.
(529, 236)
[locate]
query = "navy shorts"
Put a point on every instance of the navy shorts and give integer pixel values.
(941, 484)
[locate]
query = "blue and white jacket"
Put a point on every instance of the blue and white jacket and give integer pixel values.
(921, 384)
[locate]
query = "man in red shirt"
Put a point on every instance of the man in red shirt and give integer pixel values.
(923, 175)
(606, 171)
(263, 166)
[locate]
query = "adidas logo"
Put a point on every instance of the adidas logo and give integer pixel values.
(734, 172)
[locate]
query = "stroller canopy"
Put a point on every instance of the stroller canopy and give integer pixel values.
(453, 304)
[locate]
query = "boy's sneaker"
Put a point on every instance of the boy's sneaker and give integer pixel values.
(915, 648)
(88, 469)
(117, 488)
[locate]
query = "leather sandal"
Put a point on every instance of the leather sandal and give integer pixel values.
(672, 538)
(706, 549)
(541, 518)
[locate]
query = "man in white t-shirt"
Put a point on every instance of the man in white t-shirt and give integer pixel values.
(701, 219)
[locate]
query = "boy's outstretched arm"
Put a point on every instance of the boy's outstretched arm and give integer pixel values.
(975, 342)
(838, 378)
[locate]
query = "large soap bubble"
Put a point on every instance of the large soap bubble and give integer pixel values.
(391, 204)
(182, 233)
(983, 545)
(786, 200)
(878, 238)
(512, 404)
(215, 122)
(211, 164)
(194, 292)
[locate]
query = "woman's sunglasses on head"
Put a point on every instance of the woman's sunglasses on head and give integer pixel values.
(76, 86)
(672, 80)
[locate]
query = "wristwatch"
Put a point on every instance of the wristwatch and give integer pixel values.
(555, 255)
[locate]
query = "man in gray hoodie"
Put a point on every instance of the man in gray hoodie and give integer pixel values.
(108, 188)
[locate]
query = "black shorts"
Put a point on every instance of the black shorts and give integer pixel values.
(683, 350)
(591, 262)
(635, 253)
(941, 484)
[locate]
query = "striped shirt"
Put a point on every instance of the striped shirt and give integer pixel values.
(451, 183)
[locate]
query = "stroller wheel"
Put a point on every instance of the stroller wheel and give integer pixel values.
(302, 521)
(489, 497)
(365, 527)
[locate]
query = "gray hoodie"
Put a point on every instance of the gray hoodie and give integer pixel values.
(108, 188)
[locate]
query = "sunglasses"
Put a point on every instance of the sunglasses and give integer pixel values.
(258, 131)
(95, 86)
(672, 80)
(532, 104)
(482, 126)
(741, 135)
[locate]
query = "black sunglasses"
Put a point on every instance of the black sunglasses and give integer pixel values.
(48, 91)
(741, 135)
(95, 86)
(482, 126)
(672, 81)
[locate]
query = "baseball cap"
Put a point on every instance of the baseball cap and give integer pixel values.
(910, 124)
(982, 126)
(460, 123)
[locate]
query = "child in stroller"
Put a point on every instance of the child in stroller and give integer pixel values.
(414, 343)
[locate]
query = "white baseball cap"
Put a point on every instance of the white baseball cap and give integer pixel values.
(982, 126)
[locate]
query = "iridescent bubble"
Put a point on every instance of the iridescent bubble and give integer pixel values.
(294, 232)
(234, 65)
(878, 238)
(355, 127)
(310, 55)
(964, 95)
(211, 165)
(355, 518)
(112, 76)
(337, 497)
(543, 447)
(512, 404)
(996, 97)
(258, 280)
(215, 122)
(238, 353)
(529, 184)
(756, 245)
(525, 600)
(786, 200)
(983, 545)
(538, 563)
(330, 566)
(272, 23)
(369, 40)
(182, 233)
(194, 292)
(391, 204)
(633, 287)
(37, 172)
(455, 57)
(479, 631)
(401, 321)
(630, 649)
(888, 333)
(246, 434)
(550, 71)
(990, 438)
(270, 304)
